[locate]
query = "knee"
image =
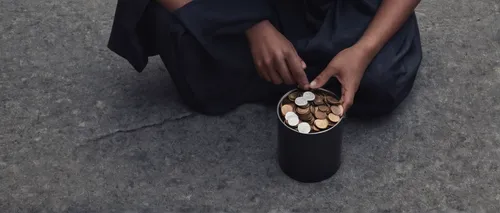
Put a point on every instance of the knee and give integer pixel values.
(379, 95)
(372, 102)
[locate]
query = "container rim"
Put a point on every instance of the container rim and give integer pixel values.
(278, 112)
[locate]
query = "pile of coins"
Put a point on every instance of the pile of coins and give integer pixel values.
(311, 111)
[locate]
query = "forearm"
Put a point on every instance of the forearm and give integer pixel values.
(391, 15)
(258, 27)
(172, 5)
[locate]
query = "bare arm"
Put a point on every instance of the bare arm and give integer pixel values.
(349, 65)
(172, 5)
(390, 16)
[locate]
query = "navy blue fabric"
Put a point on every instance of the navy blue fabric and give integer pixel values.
(204, 48)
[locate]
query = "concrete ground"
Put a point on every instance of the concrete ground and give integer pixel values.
(81, 131)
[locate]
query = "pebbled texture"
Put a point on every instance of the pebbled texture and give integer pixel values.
(83, 132)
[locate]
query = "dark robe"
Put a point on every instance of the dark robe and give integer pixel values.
(204, 48)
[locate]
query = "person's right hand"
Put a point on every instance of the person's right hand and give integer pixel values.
(275, 57)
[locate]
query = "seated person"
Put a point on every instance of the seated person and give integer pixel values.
(221, 53)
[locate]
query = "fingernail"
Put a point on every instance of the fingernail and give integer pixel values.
(303, 65)
(313, 84)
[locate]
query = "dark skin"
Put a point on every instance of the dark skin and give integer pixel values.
(349, 65)
(274, 56)
(277, 61)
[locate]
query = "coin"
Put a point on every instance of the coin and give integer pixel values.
(321, 123)
(286, 108)
(324, 108)
(301, 102)
(319, 100)
(290, 115)
(292, 96)
(314, 108)
(287, 101)
(332, 100)
(319, 114)
(310, 117)
(337, 109)
(293, 121)
(309, 96)
(304, 128)
(302, 111)
(304, 117)
(333, 118)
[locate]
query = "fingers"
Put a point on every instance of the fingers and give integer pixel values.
(269, 69)
(296, 66)
(262, 71)
(286, 68)
(282, 68)
(275, 77)
(270, 74)
(323, 77)
(347, 98)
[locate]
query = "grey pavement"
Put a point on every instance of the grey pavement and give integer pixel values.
(81, 131)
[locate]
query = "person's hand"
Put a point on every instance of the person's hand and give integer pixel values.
(275, 58)
(348, 66)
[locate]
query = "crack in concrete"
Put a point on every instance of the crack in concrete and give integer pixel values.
(119, 131)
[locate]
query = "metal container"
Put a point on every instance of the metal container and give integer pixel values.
(312, 157)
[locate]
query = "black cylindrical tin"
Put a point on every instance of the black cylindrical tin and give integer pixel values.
(312, 157)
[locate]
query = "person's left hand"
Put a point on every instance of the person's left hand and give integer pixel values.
(348, 66)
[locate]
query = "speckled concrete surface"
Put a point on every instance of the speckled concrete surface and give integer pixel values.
(83, 132)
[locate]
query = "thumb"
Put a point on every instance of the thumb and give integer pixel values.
(322, 78)
(348, 93)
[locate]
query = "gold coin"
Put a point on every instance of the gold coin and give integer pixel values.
(305, 106)
(286, 101)
(304, 117)
(332, 100)
(319, 100)
(315, 129)
(302, 111)
(333, 118)
(319, 114)
(324, 108)
(292, 96)
(337, 109)
(286, 108)
(321, 123)
(310, 117)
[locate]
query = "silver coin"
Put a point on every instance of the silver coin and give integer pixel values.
(309, 96)
(304, 128)
(289, 115)
(293, 121)
(301, 101)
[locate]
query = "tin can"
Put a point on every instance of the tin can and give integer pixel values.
(312, 157)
